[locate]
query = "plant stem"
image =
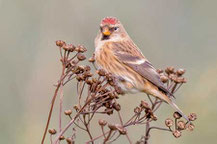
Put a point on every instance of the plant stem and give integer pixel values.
(50, 113)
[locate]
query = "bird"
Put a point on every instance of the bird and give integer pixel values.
(116, 53)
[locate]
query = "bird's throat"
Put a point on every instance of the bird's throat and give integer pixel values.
(104, 37)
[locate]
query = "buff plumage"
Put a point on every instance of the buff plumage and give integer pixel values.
(116, 53)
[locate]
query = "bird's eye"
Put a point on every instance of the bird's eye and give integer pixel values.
(115, 28)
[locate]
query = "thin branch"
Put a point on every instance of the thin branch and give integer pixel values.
(87, 128)
(96, 137)
(150, 99)
(108, 136)
(174, 87)
(77, 124)
(177, 88)
(150, 128)
(50, 112)
(51, 140)
(121, 120)
(72, 121)
(103, 132)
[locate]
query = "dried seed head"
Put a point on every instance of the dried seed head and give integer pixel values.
(52, 131)
(81, 68)
(80, 77)
(68, 112)
(98, 87)
(163, 78)
(104, 90)
(144, 105)
(94, 80)
(153, 117)
(177, 134)
(69, 140)
(76, 49)
(159, 71)
(112, 126)
(190, 127)
(76, 107)
(111, 83)
(91, 59)
(61, 138)
(184, 80)
(73, 63)
(60, 43)
(116, 106)
(109, 111)
(89, 82)
(169, 122)
(178, 79)
(80, 48)
(150, 114)
(170, 70)
(180, 72)
(71, 47)
(192, 116)
(111, 94)
(87, 68)
(177, 115)
(81, 57)
(121, 129)
(87, 74)
(137, 110)
(148, 111)
(109, 76)
(107, 105)
(101, 72)
(68, 65)
(102, 122)
(172, 77)
(181, 125)
(118, 90)
(66, 47)
(77, 71)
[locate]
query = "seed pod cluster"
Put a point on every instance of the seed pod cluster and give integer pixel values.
(172, 75)
(180, 125)
(103, 92)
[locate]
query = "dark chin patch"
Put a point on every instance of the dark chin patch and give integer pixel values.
(104, 37)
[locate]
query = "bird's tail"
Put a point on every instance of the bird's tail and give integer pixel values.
(173, 105)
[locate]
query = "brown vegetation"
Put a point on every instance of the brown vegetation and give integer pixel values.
(97, 93)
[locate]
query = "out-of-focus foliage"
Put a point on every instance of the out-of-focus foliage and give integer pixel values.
(169, 32)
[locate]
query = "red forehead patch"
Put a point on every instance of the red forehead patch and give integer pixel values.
(109, 20)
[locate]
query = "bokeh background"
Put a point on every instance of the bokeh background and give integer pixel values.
(180, 33)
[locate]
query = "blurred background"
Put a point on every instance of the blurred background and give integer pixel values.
(179, 33)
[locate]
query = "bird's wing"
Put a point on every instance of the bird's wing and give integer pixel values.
(133, 58)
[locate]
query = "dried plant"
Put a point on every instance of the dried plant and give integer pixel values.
(97, 93)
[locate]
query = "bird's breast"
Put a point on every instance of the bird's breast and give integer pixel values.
(127, 79)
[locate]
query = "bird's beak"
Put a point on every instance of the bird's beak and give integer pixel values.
(106, 31)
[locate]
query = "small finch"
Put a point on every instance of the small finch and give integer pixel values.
(116, 53)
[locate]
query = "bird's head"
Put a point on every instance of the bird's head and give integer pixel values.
(111, 28)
